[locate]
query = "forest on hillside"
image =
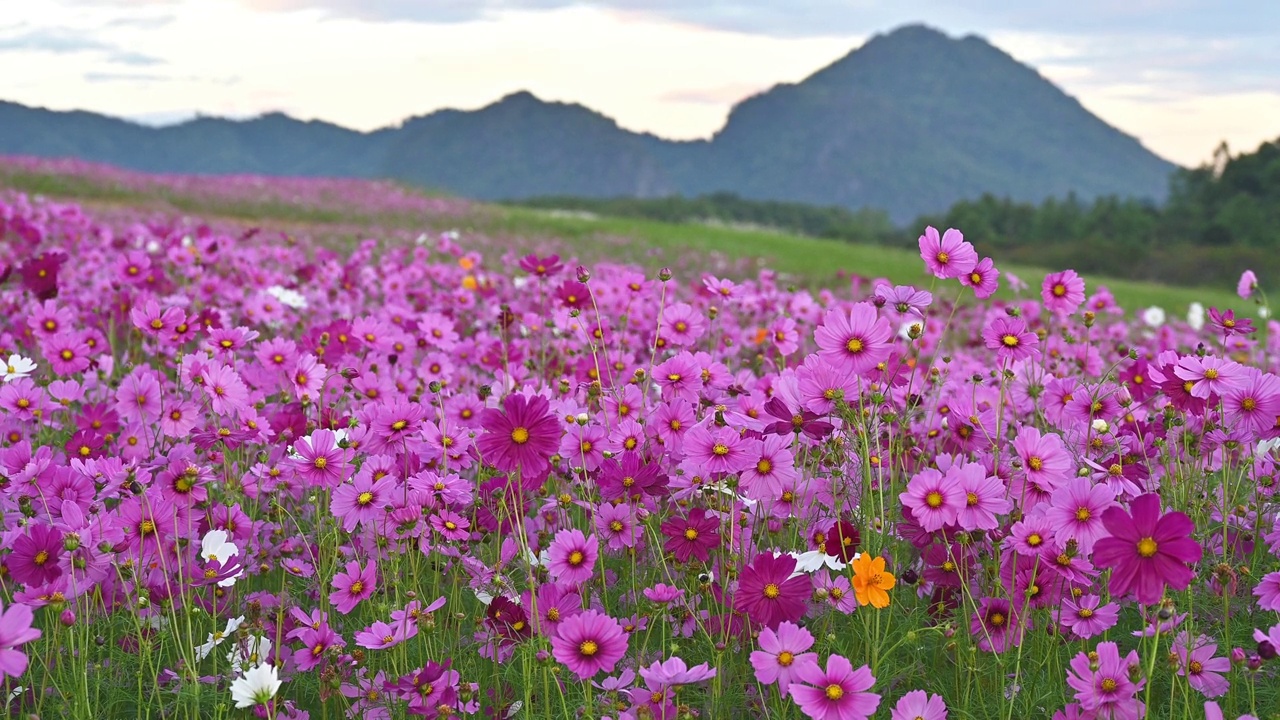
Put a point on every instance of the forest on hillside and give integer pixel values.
(1218, 220)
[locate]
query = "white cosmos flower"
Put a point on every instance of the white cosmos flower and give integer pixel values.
(255, 687)
(1195, 316)
(17, 367)
(256, 649)
(214, 546)
(814, 560)
(1153, 316)
(1100, 426)
(215, 639)
(291, 298)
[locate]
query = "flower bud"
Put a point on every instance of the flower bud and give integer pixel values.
(584, 275)
(664, 274)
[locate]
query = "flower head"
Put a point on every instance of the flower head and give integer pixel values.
(1147, 551)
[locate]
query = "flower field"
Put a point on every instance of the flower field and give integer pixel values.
(244, 473)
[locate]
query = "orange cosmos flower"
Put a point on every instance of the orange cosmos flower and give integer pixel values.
(870, 581)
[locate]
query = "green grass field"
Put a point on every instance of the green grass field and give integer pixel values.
(802, 261)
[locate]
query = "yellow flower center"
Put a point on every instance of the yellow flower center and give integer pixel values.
(785, 658)
(450, 525)
(41, 557)
(1085, 613)
(576, 557)
(690, 534)
(933, 499)
(589, 648)
(854, 345)
(1035, 463)
(1083, 514)
(365, 498)
(1210, 374)
(321, 463)
(1249, 404)
(1109, 685)
(615, 525)
(771, 591)
(720, 449)
(834, 692)
(971, 499)
(1010, 340)
(943, 258)
(1147, 547)
(1034, 539)
(520, 436)
(1059, 290)
(975, 278)
(399, 425)
(147, 527)
(996, 619)
(764, 466)
(357, 587)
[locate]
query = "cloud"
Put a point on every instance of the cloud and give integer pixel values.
(101, 77)
(60, 41)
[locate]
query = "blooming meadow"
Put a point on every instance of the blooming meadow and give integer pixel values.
(246, 475)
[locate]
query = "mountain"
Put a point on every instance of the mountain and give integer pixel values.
(909, 123)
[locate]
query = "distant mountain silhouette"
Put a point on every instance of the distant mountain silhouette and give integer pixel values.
(909, 123)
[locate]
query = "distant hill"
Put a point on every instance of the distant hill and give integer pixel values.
(909, 123)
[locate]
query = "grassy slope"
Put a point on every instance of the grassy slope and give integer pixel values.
(807, 261)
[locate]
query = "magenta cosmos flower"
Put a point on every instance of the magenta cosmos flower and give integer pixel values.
(919, 705)
(1247, 284)
(353, 585)
(34, 560)
(719, 449)
(767, 592)
(1011, 339)
(948, 256)
(782, 654)
(15, 630)
(320, 461)
(856, 340)
(523, 437)
(573, 556)
(589, 643)
(693, 536)
(1197, 663)
(838, 693)
(1062, 292)
(1146, 550)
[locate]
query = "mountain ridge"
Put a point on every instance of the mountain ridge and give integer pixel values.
(910, 122)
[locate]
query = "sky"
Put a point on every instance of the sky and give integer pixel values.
(1180, 75)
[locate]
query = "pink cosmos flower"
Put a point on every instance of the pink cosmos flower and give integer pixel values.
(679, 377)
(769, 594)
(934, 503)
(1247, 284)
(363, 500)
(619, 525)
(1147, 550)
(1103, 686)
(1011, 339)
(1196, 662)
(1087, 617)
(353, 585)
(782, 654)
(573, 556)
(948, 256)
(1268, 591)
(1045, 460)
(307, 377)
(838, 693)
(919, 705)
(523, 436)
(15, 630)
(719, 449)
(1062, 292)
(984, 496)
(675, 672)
(855, 340)
(1209, 376)
(984, 279)
(589, 643)
(320, 461)
(1076, 510)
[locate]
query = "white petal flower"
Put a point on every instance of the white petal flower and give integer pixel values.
(814, 560)
(256, 687)
(256, 650)
(1195, 316)
(215, 639)
(1153, 316)
(291, 298)
(17, 367)
(214, 546)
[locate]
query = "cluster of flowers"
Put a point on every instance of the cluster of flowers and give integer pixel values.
(400, 480)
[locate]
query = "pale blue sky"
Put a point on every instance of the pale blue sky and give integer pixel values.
(1179, 75)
